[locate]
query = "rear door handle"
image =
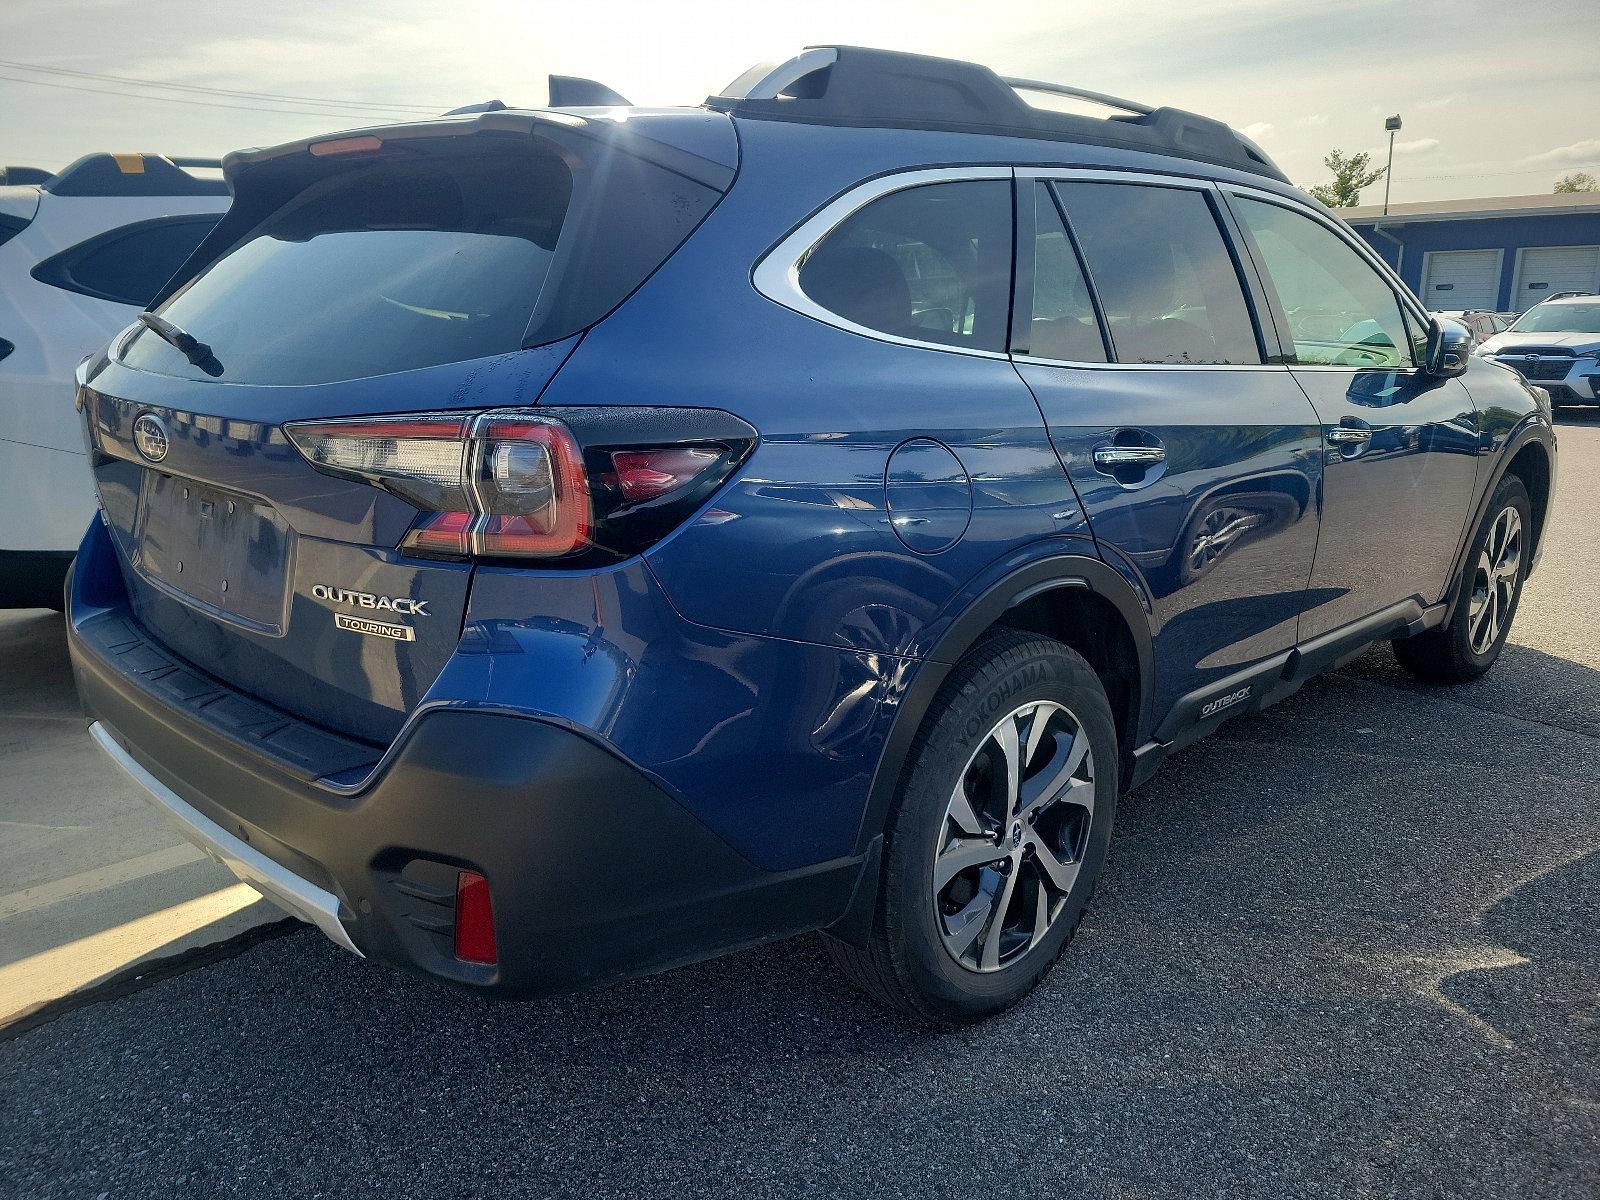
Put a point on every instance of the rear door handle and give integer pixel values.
(1349, 435)
(1129, 456)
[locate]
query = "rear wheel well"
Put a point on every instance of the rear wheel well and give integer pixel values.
(1092, 626)
(1533, 467)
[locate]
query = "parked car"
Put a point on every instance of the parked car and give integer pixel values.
(80, 255)
(1555, 344)
(1482, 325)
(544, 547)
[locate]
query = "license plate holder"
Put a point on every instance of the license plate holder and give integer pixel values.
(214, 550)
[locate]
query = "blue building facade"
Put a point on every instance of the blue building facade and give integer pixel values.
(1503, 254)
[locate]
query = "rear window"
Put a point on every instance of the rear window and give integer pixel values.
(438, 258)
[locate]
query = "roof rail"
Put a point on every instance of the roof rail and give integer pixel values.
(1077, 93)
(861, 87)
(135, 175)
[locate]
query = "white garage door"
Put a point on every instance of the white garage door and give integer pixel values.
(1454, 279)
(1543, 271)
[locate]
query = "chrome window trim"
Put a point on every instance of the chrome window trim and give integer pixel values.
(777, 274)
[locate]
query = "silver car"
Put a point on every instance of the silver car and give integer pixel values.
(1555, 344)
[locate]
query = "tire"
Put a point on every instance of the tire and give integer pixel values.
(1490, 588)
(933, 951)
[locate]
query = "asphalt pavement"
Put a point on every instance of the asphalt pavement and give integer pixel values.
(1346, 946)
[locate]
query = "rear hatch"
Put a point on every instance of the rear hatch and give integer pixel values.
(440, 268)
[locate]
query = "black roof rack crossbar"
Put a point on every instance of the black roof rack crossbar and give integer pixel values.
(857, 86)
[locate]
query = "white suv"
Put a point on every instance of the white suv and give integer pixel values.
(81, 254)
(1555, 344)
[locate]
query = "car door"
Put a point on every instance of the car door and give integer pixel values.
(1197, 462)
(1402, 446)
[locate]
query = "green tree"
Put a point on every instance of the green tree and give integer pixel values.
(1351, 173)
(1578, 181)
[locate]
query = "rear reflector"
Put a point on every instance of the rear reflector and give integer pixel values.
(474, 919)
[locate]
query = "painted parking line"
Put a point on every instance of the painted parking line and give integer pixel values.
(86, 883)
(66, 968)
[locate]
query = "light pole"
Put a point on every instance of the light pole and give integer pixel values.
(1392, 125)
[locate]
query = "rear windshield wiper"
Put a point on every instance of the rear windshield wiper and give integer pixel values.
(191, 347)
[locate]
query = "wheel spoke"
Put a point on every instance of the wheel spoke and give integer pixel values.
(961, 811)
(1041, 910)
(997, 922)
(1005, 737)
(1478, 618)
(963, 928)
(1061, 874)
(960, 855)
(1043, 789)
(1038, 726)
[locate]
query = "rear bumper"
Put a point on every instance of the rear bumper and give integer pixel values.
(596, 872)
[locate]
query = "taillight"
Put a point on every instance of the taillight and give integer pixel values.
(526, 484)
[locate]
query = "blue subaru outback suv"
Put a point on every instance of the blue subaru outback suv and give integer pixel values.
(540, 547)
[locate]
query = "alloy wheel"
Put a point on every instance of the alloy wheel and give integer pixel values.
(1013, 837)
(1494, 581)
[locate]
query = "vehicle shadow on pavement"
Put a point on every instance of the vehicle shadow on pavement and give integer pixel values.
(1346, 944)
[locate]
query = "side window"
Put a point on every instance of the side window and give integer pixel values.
(930, 263)
(1341, 312)
(128, 265)
(1166, 282)
(1064, 324)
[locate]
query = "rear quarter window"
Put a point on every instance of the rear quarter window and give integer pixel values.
(128, 265)
(928, 264)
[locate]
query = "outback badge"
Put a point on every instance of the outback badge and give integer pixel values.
(383, 629)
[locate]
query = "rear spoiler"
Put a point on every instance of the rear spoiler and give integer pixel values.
(135, 175)
(696, 144)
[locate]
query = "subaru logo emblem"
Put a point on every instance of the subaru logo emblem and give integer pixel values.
(150, 437)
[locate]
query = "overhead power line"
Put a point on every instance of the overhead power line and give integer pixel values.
(235, 93)
(308, 112)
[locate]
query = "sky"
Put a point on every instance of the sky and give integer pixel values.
(1497, 98)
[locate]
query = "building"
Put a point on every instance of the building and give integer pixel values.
(1501, 253)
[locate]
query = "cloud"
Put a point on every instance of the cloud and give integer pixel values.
(1314, 119)
(1586, 151)
(1258, 130)
(1419, 146)
(1442, 101)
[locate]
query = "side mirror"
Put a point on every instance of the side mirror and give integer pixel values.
(1449, 348)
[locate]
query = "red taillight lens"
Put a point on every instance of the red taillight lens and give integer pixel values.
(474, 919)
(583, 485)
(499, 484)
(650, 474)
(531, 485)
